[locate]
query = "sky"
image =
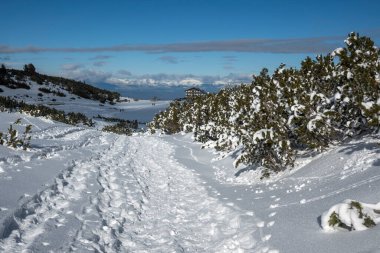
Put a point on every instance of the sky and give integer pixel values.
(175, 42)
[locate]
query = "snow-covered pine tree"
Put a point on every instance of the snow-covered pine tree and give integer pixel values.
(358, 71)
(311, 118)
(266, 143)
(327, 99)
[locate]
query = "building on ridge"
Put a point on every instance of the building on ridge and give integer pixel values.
(194, 92)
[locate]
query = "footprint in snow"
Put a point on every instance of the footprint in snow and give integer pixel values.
(302, 201)
(260, 224)
(266, 238)
(272, 214)
(270, 224)
(274, 206)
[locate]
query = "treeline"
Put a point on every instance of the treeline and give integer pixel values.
(71, 118)
(14, 79)
(11, 83)
(325, 101)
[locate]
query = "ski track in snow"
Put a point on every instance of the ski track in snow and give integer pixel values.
(129, 195)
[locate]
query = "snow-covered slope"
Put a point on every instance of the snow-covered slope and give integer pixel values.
(129, 109)
(81, 190)
(290, 204)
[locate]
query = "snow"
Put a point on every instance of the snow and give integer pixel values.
(262, 134)
(350, 215)
(346, 100)
(109, 193)
(130, 109)
(337, 96)
(78, 189)
(368, 105)
(337, 51)
(312, 124)
(295, 200)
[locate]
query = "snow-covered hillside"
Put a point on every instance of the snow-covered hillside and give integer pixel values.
(129, 109)
(81, 190)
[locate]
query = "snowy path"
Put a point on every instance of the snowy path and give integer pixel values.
(120, 194)
(81, 190)
(149, 203)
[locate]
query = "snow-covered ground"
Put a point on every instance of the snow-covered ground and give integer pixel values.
(82, 190)
(289, 206)
(130, 109)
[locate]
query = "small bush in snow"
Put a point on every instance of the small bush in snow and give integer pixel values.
(12, 138)
(351, 215)
(119, 128)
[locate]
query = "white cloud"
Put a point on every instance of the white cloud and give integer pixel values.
(88, 75)
(124, 77)
(190, 81)
(178, 79)
(284, 45)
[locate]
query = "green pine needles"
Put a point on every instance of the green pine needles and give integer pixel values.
(352, 220)
(334, 220)
(324, 101)
(13, 139)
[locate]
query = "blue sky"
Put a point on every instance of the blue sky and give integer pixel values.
(175, 42)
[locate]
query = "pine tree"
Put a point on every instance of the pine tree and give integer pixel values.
(268, 121)
(3, 71)
(29, 69)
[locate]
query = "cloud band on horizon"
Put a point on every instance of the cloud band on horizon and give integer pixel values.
(275, 46)
(124, 78)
